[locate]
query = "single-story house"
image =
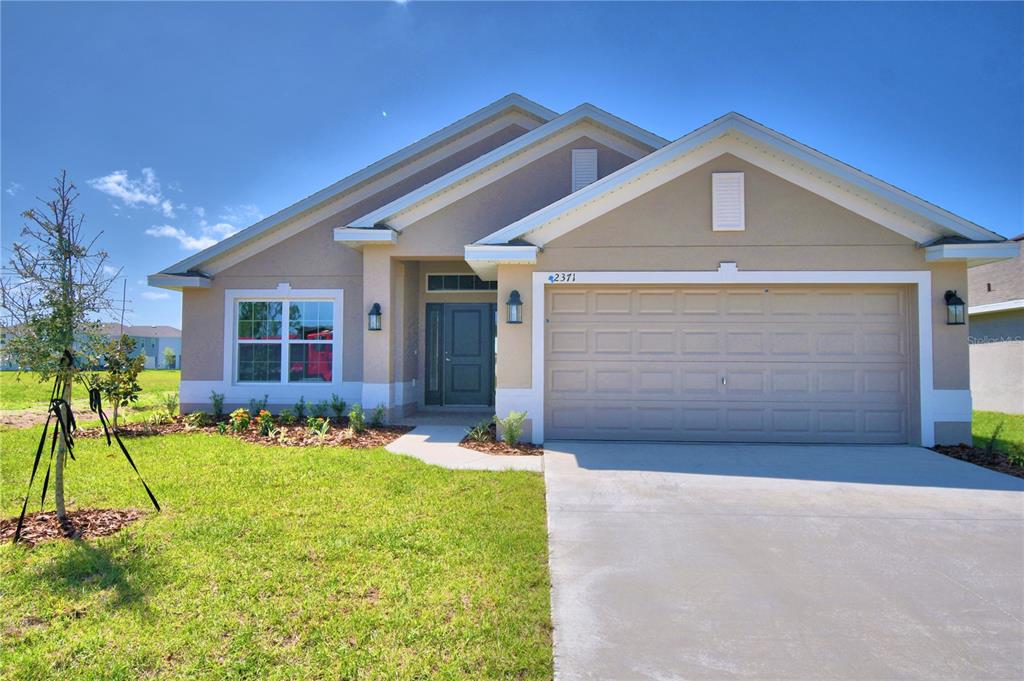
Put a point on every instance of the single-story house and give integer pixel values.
(153, 341)
(730, 285)
(997, 334)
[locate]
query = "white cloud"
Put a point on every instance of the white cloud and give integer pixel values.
(208, 234)
(155, 295)
(144, 191)
(110, 270)
(242, 214)
(200, 211)
(13, 188)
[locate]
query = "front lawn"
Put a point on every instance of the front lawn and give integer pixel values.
(1010, 439)
(24, 391)
(274, 562)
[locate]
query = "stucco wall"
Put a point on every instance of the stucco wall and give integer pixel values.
(787, 228)
(997, 361)
(997, 281)
(309, 259)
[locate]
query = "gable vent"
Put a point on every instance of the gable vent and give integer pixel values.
(727, 209)
(584, 168)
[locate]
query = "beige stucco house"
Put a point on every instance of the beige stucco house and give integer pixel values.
(731, 285)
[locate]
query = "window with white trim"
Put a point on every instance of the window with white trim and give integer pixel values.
(266, 354)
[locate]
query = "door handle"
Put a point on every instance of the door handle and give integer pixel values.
(447, 358)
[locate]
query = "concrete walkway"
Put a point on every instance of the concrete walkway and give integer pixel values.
(807, 563)
(439, 445)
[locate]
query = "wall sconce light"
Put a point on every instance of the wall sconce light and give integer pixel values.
(954, 309)
(374, 317)
(515, 308)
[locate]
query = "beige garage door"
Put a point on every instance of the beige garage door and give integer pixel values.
(740, 364)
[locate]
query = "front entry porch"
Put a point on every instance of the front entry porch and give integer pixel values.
(460, 353)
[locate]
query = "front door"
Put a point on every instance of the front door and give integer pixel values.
(460, 354)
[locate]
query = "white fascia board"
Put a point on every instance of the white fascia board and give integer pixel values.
(1004, 306)
(357, 238)
(506, 103)
(435, 195)
(484, 260)
(176, 282)
(644, 175)
(974, 254)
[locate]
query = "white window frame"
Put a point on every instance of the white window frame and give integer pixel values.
(283, 294)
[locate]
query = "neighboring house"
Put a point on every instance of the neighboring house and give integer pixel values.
(6, 362)
(997, 335)
(152, 341)
(731, 285)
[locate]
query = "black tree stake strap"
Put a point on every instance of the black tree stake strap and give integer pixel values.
(64, 427)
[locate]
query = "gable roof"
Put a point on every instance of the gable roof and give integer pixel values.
(733, 133)
(496, 109)
(436, 194)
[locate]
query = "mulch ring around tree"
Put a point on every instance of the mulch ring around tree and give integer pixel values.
(492, 445)
(996, 461)
(84, 523)
(295, 435)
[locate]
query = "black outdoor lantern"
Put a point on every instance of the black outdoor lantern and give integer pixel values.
(954, 308)
(374, 317)
(515, 308)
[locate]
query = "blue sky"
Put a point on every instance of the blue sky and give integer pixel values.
(183, 122)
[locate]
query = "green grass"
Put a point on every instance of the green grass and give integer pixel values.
(24, 391)
(275, 562)
(1011, 437)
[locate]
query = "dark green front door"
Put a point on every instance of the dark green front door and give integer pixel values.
(460, 353)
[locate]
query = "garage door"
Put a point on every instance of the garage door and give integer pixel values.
(740, 364)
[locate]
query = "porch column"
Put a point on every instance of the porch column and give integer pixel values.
(377, 355)
(514, 389)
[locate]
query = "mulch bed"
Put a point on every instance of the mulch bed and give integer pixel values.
(290, 436)
(996, 461)
(492, 445)
(84, 523)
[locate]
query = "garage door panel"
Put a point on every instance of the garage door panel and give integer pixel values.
(790, 364)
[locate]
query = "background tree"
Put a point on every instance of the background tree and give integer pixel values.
(168, 358)
(51, 295)
(120, 381)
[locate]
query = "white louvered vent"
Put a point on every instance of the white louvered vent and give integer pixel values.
(727, 209)
(584, 168)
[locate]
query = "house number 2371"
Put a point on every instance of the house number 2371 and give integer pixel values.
(562, 277)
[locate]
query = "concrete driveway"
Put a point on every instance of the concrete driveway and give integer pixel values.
(783, 562)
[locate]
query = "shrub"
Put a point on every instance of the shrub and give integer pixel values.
(357, 419)
(481, 432)
(240, 419)
(318, 426)
(120, 382)
(300, 409)
(197, 419)
(377, 418)
(1016, 457)
(222, 428)
(256, 406)
(171, 404)
(265, 422)
(319, 409)
(512, 427)
(287, 417)
(218, 404)
(990, 446)
(338, 407)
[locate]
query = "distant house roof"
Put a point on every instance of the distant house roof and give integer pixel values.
(141, 331)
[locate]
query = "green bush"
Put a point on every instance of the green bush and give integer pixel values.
(218, 405)
(170, 402)
(222, 428)
(357, 419)
(338, 407)
(197, 419)
(287, 417)
(318, 426)
(300, 409)
(256, 406)
(512, 427)
(481, 432)
(377, 418)
(265, 422)
(320, 409)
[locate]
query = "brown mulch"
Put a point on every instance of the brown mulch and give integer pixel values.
(290, 436)
(84, 523)
(996, 461)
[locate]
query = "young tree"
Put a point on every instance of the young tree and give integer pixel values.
(120, 381)
(53, 290)
(168, 358)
